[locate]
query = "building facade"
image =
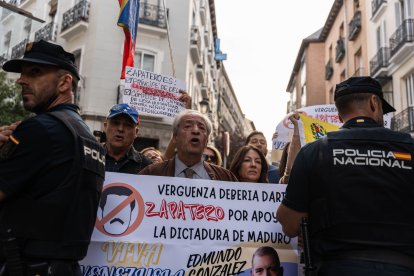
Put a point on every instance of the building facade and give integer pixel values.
(362, 38)
(88, 29)
(392, 56)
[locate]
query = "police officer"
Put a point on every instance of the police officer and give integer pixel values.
(51, 170)
(357, 186)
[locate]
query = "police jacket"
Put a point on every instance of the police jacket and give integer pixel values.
(52, 174)
(358, 186)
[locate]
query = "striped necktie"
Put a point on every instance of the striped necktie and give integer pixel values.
(189, 173)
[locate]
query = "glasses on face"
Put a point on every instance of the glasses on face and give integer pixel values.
(209, 158)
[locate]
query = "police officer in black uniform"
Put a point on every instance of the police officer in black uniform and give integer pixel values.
(51, 171)
(357, 187)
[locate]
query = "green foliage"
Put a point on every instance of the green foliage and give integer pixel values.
(11, 106)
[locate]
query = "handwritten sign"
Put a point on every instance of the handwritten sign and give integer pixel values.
(188, 227)
(152, 94)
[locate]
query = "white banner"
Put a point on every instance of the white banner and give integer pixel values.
(149, 225)
(152, 93)
(327, 113)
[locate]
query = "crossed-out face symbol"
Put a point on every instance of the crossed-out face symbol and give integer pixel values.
(120, 211)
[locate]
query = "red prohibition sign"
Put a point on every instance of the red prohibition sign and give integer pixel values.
(135, 195)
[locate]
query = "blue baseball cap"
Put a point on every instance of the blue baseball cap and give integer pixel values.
(124, 108)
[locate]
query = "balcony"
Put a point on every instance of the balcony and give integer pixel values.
(47, 32)
(195, 45)
(404, 121)
(152, 15)
(378, 7)
(328, 70)
(19, 49)
(75, 20)
(379, 63)
(355, 26)
(340, 50)
(200, 73)
(401, 42)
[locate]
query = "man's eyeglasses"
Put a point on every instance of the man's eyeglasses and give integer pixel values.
(211, 158)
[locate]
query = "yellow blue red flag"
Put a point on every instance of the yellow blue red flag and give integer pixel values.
(128, 20)
(313, 129)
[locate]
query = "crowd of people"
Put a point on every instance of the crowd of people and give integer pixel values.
(52, 170)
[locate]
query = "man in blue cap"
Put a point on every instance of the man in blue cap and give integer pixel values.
(51, 170)
(357, 186)
(121, 129)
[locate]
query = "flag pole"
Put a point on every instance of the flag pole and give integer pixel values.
(169, 41)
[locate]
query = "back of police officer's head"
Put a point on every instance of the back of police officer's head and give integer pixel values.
(361, 96)
(265, 261)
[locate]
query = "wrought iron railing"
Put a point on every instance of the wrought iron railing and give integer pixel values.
(48, 32)
(404, 34)
(404, 121)
(328, 70)
(19, 49)
(340, 49)
(79, 12)
(152, 15)
(380, 60)
(355, 26)
(376, 4)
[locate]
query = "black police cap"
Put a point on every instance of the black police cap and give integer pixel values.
(43, 52)
(362, 85)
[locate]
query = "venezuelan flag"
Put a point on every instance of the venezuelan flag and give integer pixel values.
(128, 20)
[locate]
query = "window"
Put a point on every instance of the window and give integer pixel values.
(27, 27)
(341, 31)
(145, 60)
(331, 95)
(409, 88)
(356, 5)
(303, 96)
(53, 8)
(342, 76)
(6, 42)
(359, 64)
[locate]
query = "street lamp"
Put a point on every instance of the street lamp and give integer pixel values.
(204, 106)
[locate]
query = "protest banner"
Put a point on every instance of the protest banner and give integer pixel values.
(325, 113)
(152, 94)
(150, 225)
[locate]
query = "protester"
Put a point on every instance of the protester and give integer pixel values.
(266, 262)
(290, 151)
(257, 139)
(356, 186)
(250, 165)
(212, 155)
(121, 130)
(153, 154)
(191, 130)
(51, 170)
